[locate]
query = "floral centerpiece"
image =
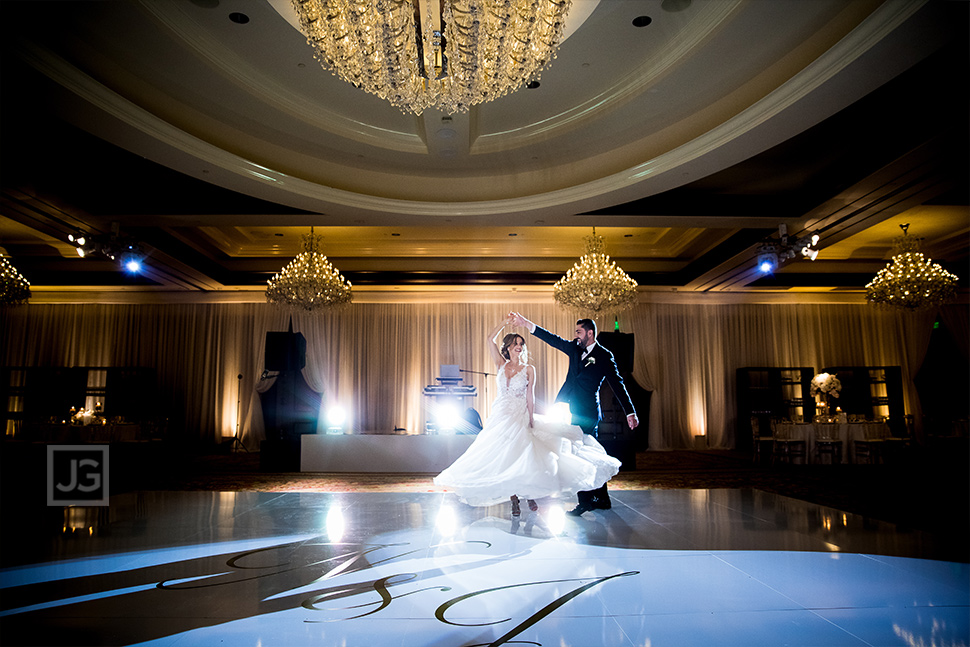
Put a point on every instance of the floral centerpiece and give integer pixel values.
(825, 387)
(85, 417)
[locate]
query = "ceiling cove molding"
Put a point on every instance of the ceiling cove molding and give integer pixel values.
(174, 18)
(863, 38)
(700, 29)
(887, 18)
(509, 295)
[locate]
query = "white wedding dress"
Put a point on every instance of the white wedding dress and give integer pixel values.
(508, 457)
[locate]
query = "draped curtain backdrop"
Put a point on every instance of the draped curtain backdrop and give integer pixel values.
(375, 359)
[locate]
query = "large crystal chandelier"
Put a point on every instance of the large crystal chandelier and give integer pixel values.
(910, 281)
(442, 54)
(14, 288)
(595, 285)
(309, 282)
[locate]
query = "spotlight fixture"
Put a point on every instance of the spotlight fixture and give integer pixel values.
(772, 253)
(112, 247)
(768, 258)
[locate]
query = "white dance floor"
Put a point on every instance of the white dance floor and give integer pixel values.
(677, 568)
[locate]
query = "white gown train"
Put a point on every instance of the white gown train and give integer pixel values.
(551, 459)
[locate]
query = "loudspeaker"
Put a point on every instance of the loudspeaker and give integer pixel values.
(285, 351)
(621, 345)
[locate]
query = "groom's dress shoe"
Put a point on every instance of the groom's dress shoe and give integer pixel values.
(601, 504)
(579, 510)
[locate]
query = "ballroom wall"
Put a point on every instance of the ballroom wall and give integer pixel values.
(375, 358)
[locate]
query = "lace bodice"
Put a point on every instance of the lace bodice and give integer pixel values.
(514, 387)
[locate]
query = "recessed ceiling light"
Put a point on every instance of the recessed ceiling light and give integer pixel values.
(239, 18)
(532, 85)
(642, 21)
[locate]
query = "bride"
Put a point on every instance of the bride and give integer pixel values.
(521, 454)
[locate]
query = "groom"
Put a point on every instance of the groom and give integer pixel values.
(589, 365)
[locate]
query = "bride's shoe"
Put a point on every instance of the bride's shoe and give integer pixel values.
(515, 506)
(533, 506)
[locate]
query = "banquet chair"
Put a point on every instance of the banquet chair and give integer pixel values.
(757, 438)
(786, 448)
(827, 442)
(896, 448)
(870, 448)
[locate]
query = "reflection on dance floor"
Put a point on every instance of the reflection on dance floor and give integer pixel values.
(663, 567)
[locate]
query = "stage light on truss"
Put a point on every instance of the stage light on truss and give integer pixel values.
(768, 258)
(773, 252)
(132, 264)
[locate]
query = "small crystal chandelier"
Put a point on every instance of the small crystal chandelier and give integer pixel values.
(309, 282)
(595, 284)
(910, 281)
(464, 53)
(14, 288)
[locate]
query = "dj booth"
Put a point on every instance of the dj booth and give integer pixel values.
(447, 412)
(424, 453)
(450, 429)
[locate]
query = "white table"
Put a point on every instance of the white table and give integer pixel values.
(848, 433)
(424, 453)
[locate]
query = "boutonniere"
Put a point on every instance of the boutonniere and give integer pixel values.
(590, 360)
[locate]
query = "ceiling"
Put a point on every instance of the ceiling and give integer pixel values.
(205, 131)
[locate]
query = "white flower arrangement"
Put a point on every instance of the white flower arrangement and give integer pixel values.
(826, 384)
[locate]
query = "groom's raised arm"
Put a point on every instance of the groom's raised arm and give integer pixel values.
(565, 345)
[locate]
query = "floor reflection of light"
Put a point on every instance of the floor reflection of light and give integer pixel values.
(555, 519)
(335, 524)
(419, 571)
(447, 521)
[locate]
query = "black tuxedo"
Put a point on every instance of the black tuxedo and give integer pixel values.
(581, 390)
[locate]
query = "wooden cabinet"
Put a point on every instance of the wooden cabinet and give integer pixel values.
(874, 392)
(771, 392)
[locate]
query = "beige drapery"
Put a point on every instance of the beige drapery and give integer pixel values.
(688, 356)
(375, 359)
